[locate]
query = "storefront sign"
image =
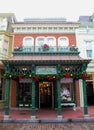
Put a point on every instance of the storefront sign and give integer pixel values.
(46, 70)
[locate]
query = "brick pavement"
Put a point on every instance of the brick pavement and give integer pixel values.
(48, 126)
(72, 120)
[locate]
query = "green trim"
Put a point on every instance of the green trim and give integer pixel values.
(33, 91)
(33, 97)
(52, 50)
(85, 98)
(7, 96)
(59, 98)
(17, 103)
(74, 86)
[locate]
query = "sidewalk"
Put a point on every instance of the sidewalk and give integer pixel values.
(47, 114)
(47, 120)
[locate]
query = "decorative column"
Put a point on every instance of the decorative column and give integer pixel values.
(59, 94)
(84, 67)
(7, 98)
(59, 99)
(85, 99)
(33, 92)
(74, 85)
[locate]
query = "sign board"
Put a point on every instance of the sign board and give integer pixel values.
(44, 70)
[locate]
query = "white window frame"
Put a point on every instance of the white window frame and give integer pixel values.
(89, 51)
(63, 43)
(28, 45)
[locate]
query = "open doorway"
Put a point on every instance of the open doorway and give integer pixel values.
(90, 92)
(46, 99)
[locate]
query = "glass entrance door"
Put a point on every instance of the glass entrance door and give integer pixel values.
(24, 95)
(46, 99)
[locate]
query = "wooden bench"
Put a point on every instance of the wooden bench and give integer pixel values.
(69, 104)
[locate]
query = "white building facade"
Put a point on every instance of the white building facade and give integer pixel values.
(85, 43)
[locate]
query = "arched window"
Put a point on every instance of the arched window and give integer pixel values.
(51, 41)
(63, 41)
(28, 44)
(40, 41)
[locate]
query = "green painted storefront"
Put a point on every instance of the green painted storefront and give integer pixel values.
(41, 76)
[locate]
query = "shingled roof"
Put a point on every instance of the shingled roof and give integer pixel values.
(46, 58)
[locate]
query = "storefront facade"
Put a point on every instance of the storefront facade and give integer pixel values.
(45, 68)
(44, 80)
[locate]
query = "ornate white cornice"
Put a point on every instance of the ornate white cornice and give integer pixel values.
(45, 28)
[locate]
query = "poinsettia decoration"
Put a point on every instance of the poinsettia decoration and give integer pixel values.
(84, 75)
(67, 75)
(36, 78)
(45, 46)
(20, 76)
(50, 77)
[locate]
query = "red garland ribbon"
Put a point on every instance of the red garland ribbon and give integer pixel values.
(20, 76)
(84, 76)
(36, 78)
(50, 77)
(67, 75)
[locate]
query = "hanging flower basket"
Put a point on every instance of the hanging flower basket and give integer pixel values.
(45, 47)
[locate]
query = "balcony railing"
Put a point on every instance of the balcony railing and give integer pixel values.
(50, 49)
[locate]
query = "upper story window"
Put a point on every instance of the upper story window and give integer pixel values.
(3, 23)
(63, 41)
(51, 41)
(4, 51)
(5, 47)
(89, 49)
(40, 41)
(28, 43)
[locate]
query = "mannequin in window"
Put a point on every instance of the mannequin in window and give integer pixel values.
(65, 94)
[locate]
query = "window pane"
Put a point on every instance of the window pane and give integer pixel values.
(5, 51)
(89, 53)
(89, 45)
(28, 42)
(40, 41)
(67, 92)
(63, 42)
